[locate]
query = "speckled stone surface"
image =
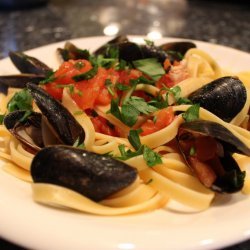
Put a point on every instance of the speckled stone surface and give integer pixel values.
(221, 22)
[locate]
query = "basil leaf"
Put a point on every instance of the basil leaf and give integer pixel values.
(134, 138)
(192, 113)
(152, 158)
(150, 67)
(140, 104)
(22, 100)
(129, 114)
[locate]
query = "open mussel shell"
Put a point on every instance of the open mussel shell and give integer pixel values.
(92, 175)
(176, 50)
(59, 119)
(28, 64)
(27, 131)
(224, 97)
(70, 51)
(212, 160)
(20, 81)
(117, 40)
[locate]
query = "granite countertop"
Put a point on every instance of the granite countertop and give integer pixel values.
(222, 22)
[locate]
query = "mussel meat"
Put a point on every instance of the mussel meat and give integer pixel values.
(92, 175)
(224, 97)
(28, 131)
(207, 148)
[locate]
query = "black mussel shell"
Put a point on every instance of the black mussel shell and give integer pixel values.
(92, 175)
(117, 40)
(224, 97)
(70, 51)
(27, 131)
(232, 143)
(60, 119)
(230, 178)
(20, 81)
(28, 64)
(176, 50)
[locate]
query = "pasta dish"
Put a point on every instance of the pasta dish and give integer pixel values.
(127, 128)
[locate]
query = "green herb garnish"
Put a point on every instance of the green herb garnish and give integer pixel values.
(22, 100)
(192, 113)
(89, 74)
(50, 77)
(131, 109)
(2, 118)
(152, 158)
(150, 67)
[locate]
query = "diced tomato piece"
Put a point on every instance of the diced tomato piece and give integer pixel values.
(87, 91)
(53, 90)
(70, 69)
(101, 125)
(127, 75)
(142, 94)
(163, 118)
(104, 97)
(165, 81)
(206, 148)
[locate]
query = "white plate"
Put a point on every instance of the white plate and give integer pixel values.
(39, 227)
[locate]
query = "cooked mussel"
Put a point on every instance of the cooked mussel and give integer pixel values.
(27, 129)
(130, 51)
(70, 51)
(207, 148)
(29, 64)
(92, 175)
(224, 97)
(20, 81)
(58, 118)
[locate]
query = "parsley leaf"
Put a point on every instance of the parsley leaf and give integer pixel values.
(130, 109)
(140, 104)
(1, 119)
(151, 67)
(89, 74)
(125, 155)
(134, 138)
(192, 113)
(49, 78)
(152, 158)
(122, 87)
(129, 114)
(22, 100)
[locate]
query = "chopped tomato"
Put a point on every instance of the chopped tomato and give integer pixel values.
(70, 69)
(87, 91)
(64, 76)
(142, 94)
(163, 118)
(127, 75)
(165, 81)
(101, 125)
(53, 90)
(104, 97)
